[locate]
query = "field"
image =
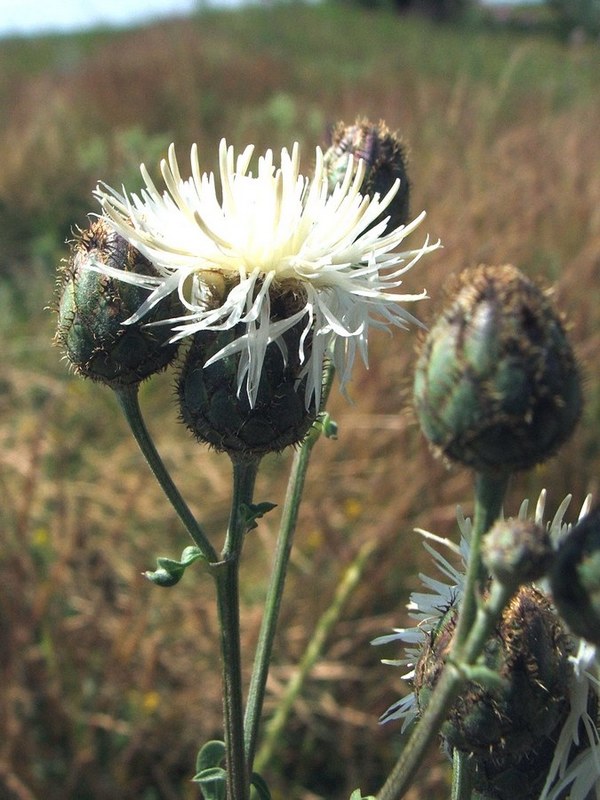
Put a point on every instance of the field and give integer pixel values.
(110, 684)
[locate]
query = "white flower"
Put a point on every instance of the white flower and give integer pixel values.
(427, 608)
(262, 232)
(580, 775)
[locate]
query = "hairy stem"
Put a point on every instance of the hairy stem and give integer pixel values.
(226, 573)
(462, 776)
(264, 648)
(128, 399)
(289, 518)
(489, 496)
(476, 621)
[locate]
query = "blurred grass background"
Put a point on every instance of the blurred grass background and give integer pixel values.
(109, 684)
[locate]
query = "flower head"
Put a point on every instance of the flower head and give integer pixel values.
(92, 308)
(575, 767)
(427, 608)
(497, 384)
(229, 251)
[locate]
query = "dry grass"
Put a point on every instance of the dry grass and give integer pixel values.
(110, 684)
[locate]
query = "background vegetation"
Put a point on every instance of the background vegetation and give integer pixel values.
(109, 684)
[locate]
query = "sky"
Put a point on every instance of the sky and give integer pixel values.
(41, 16)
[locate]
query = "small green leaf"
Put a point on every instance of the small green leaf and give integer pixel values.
(330, 426)
(170, 572)
(213, 782)
(209, 773)
(212, 754)
(254, 511)
(357, 795)
(261, 787)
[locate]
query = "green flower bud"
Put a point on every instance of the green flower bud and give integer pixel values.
(497, 385)
(575, 578)
(529, 654)
(517, 551)
(221, 416)
(92, 308)
(384, 155)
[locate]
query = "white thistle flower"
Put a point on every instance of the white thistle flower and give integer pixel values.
(427, 608)
(579, 775)
(276, 229)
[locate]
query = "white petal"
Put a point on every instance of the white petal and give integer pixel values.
(275, 226)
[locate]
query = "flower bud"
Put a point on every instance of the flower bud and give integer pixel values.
(92, 308)
(510, 728)
(384, 156)
(496, 384)
(219, 415)
(517, 551)
(575, 578)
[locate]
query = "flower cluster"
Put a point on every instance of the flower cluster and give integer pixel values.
(228, 250)
(580, 774)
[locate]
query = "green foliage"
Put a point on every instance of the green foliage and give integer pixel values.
(255, 511)
(170, 572)
(259, 785)
(445, 10)
(62, 158)
(582, 15)
(211, 776)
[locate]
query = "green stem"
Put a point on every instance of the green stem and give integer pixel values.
(264, 648)
(447, 689)
(462, 775)
(312, 653)
(487, 616)
(476, 622)
(128, 399)
(490, 489)
(226, 574)
(289, 519)
(430, 722)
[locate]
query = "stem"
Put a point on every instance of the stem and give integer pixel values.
(462, 775)
(490, 489)
(264, 648)
(313, 652)
(226, 574)
(128, 399)
(447, 689)
(244, 478)
(488, 615)
(475, 623)
(266, 637)
(428, 726)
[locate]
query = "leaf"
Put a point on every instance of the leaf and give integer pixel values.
(170, 572)
(357, 795)
(261, 787)
(212, 754)
(213, 782)
(329, 426)
(324, 425)
(254, 511)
